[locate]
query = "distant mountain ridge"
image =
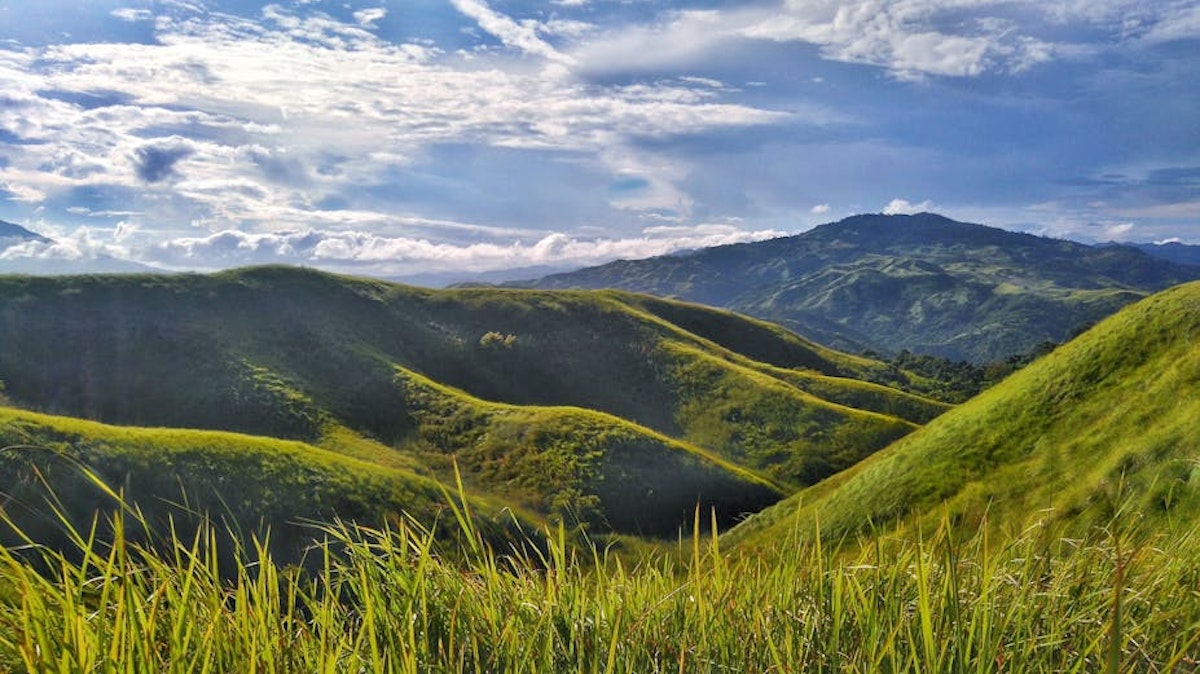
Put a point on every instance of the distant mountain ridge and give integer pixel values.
(922, 282)
(9, 230)
(1172, 251)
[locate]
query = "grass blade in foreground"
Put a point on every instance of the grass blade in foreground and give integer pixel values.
(384, 601)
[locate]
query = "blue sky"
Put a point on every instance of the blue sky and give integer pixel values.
(399, 138)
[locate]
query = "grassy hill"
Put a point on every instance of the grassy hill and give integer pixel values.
(923, 283)
(253, 485)
(727, 407)
(1109, 421)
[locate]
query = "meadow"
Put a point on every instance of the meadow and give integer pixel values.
(394, 599)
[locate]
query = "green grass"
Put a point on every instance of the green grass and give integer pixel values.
(386, 600)
(579, 465)
(254, 484)
(1111, 416)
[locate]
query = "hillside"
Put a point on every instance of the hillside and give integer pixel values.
(1108, 421)
(732, 410)
(251, 484)
(924, 283)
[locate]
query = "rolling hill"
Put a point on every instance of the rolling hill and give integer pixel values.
(1109, 421)
(252, 485)
(605, 407)
(923, 282)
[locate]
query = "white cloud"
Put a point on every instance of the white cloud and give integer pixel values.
(819, 209)
(912, 38)
(904, 207)
(230, 122)
(131, 15)
(398, 254)
(1182, 22)
(523, 36)
(84, 243)
(368, 17)
(1118, 230)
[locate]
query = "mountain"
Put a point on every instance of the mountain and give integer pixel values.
(10, 233)
(617, 410)
(922, 282)
(1179, 253)
(1109, 422)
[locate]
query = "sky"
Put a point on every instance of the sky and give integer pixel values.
(461, 136)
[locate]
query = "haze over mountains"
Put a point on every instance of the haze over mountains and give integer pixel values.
(923, 282)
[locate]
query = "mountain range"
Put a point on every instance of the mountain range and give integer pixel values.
(922, 283)
(1172, 251)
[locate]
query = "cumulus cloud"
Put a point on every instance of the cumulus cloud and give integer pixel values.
(819, 209)
(905, 207)
(909, 37)
(82, 244)
(327, 105)
(386, 255)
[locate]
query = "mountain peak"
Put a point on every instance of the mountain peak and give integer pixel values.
(883, 228)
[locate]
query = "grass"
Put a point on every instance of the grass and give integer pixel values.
(255, 484)
(1111, 414)
(579, 465)
(389, 600)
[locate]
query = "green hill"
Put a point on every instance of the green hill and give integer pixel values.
(252, 484)
(923, 283)
(1110, 420)
(657, 391)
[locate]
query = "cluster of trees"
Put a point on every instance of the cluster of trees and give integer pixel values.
(493, 339)
(957, 381)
